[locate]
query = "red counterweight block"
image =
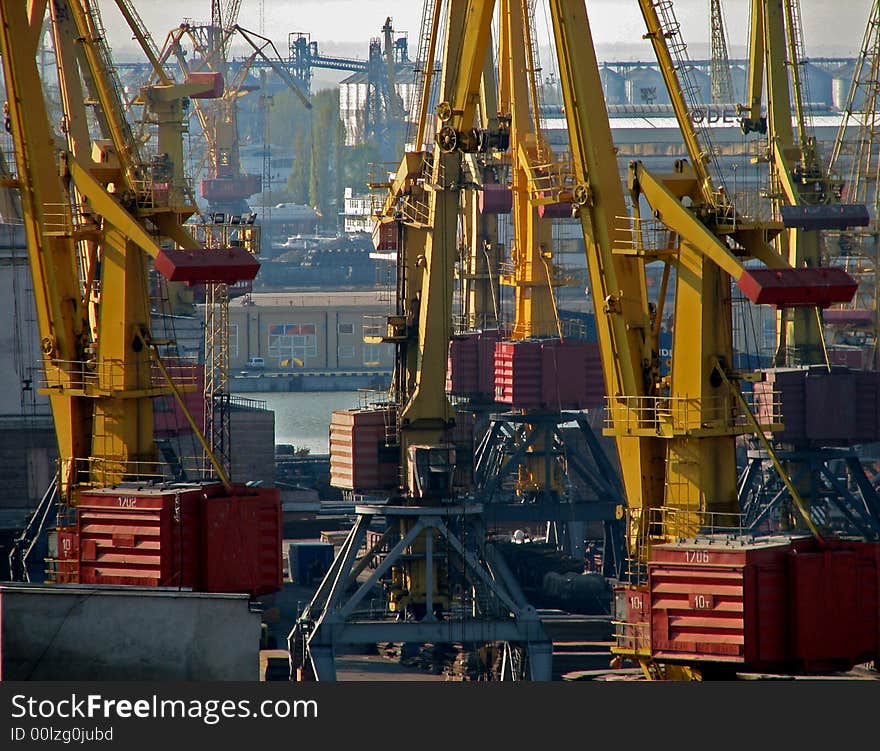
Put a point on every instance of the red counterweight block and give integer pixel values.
(207, 266)
(791, 288)
(211, 80)
(549, 374)
(470, 370)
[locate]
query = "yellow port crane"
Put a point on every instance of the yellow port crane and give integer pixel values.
(96, 213)
(442, 572)
(226, 187)
(719, 67)
(810, 205)
(853, 167)
(676, 435)
(572, 485)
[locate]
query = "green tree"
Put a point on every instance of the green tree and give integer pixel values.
(322, 165)
(298, 179)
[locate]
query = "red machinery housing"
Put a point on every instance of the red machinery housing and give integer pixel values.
(779, 604)
(231, 188)
(365, 458)
(223, 265)
(791, 288)
(188, 535)
(470, 370)
(360, 459)
(549, 374)
(850, 399)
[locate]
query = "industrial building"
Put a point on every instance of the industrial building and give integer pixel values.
(307, 333)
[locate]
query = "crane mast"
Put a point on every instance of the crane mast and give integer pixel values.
(719, 70)
(798, 177)
(532, 168)
(226, 187)
(561, 474)
(805, 198)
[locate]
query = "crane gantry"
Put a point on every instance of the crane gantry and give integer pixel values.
(442, 571)
(529, 440)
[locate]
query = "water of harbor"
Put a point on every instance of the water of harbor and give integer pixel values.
(302, 418)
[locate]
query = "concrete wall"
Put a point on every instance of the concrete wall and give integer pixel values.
(28, 451)
(72, 632)
(20, 364)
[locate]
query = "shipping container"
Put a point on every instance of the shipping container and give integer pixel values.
(140, 536)
(834, 604)
(241, 543)
(720, 603)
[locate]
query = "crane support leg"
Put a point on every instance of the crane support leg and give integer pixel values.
(453, 535)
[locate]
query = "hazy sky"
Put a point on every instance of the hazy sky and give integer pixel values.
(831, 28)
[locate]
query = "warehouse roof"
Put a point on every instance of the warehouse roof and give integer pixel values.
(332, 299)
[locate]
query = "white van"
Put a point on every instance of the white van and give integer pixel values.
(255, 363)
